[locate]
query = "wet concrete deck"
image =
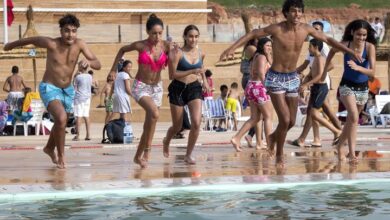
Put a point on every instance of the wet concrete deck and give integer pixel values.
(23, 165)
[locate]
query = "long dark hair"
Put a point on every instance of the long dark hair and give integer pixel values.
(152, 21)
(250, 42)
(124, 64)
(260, 45)
(188, 29)
(356, 25)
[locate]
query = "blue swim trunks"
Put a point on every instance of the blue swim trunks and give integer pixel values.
(279, 83)
(50, 92)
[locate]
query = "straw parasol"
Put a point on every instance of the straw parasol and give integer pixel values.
(28, 51)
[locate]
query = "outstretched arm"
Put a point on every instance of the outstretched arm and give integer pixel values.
(328, 62)
(122, 51)
(257, 33)
(332, 42)
(43, 42)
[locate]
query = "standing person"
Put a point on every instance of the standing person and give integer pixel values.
(282, 81)
(359, 36)
(378, 27)
(256, 93)
(82, 99)
(209, 93)
(122, 91)
(147, 87)
(106, 95)
(233, 98)
(327, 109)
(185, 65)
(95, 84)
(319, 88)
(56, 88)
(15, 84)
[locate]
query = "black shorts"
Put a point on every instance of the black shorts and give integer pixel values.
(181, 94)
(318, 93)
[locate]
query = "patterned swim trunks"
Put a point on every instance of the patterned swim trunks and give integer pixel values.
(278, 83)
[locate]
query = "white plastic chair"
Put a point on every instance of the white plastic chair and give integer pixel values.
(37, 109)
(380, 102)
(301, 115)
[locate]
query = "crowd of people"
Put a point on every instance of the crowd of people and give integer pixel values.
(271, 80)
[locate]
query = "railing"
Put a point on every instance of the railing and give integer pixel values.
(111, 33)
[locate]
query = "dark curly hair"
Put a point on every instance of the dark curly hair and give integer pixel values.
(292, 3)
(69, 19)
(356, 25)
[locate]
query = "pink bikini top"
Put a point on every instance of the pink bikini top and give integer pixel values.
(156, 66)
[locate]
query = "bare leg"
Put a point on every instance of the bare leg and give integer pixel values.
(177, 124)
(306, 127)
(252, 121)
(49, 148)
(316, 115)
(56, 109)
(266, 112)
(259, 132)
(78, 121)
(331, 115)
(195, 108)
(87, 127)
(316, 132)
(151, 117)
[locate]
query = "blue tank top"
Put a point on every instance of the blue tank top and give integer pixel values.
(353, 75)
(184, 65)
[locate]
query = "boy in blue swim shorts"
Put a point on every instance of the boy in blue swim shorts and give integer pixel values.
(281, 81)
(56, 88)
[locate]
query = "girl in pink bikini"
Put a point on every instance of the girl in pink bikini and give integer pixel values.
(256, 93)
(147, 87)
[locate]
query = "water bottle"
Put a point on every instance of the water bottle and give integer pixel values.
(127, 134)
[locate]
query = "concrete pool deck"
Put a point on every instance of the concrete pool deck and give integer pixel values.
(25, 168)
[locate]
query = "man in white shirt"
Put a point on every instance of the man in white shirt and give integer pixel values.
(378, 27)
(300, 142)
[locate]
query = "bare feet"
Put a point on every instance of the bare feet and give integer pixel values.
(271, 147)
(51, 154)
(248, 139)
(189, 160)
(340, 153)
(165, 148)
(140, 162)
(261, 146)
(353, 160)
(236, 144)
(61, 163)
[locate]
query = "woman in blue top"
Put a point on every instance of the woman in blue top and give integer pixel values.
(360, 37)
(185, 68)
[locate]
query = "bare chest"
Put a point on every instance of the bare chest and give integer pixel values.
(64, 56)
(290, 41)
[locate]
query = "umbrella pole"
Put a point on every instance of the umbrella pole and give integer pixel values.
(35, 74)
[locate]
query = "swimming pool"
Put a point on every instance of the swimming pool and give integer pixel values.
(249, 197)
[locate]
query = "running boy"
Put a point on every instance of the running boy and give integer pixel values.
(56, 88)
(319, 88)
(282, 81)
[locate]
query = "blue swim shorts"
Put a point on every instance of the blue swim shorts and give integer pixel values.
(279, 83)
(50, 92)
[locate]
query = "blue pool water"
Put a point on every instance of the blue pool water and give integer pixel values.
(359, 200)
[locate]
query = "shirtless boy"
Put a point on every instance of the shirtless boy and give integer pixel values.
(282, 81)
(319, 88)
(15, 86)
(56, 88)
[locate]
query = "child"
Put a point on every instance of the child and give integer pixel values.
(209, 94)
(231, 102)
(224, 91)
(319, 88)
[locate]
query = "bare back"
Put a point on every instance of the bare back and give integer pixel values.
(318, 68)
(61, 62)
(287, 45)
(15, 83)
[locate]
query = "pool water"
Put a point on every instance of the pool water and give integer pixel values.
(361, 200)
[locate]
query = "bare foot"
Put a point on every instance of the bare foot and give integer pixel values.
(140, 162)
(189, 160)
(271, 147)
(236, 144)
(353, 160)
(51, 154)
(261, 145)
(146, 154)
(61, 163)
(165, 148)
(340, 154)
(248, 139)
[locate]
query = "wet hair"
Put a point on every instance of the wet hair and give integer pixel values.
(15, 70)
(208, 73)
(292, 3)
(356, 25)
(319, 23)
(223, 87)
(125, 63)
(69, 19)
(317, 43)
(234, 85)
(260, 45)
(90, 72)
(152, 21)
(188, 29)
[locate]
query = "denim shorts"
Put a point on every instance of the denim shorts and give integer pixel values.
(279, 83)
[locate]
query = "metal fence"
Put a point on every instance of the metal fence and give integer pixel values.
(111, 33)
